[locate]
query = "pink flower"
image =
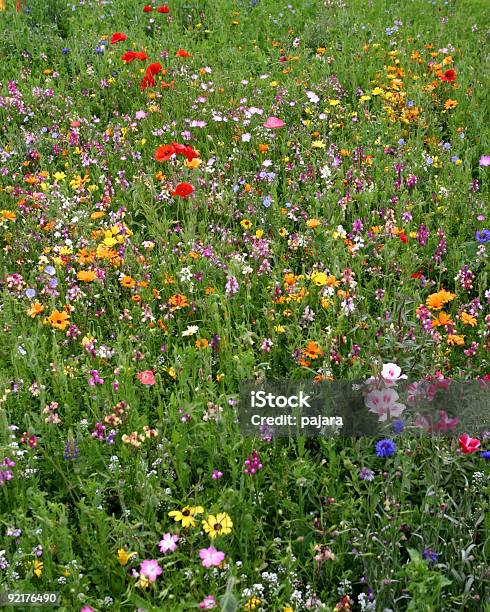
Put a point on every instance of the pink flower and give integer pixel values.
(467, 444)
(87, 609)
(273, 123)
(383, 402)
(391, 374)
(210, 556)
(168, 543)
(147, 377)
(208, 603)
(150, 569)
(217, 474)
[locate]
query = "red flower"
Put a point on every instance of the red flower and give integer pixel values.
(183, 190)
(190, 153)
(467, 444)
(182, 53)
(129, 56)
(163, 9)
(146, 377)
(449, 76)
(153, 69)
(147, 81)
(416, 275)
(117, 37)
(164, 152)
(403, 237)
(147, 8)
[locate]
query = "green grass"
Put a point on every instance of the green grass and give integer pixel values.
(347, 160)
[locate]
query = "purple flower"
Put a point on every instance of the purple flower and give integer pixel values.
(252, 464)
(485, 161)
(366, 474)
(485, 455)
(217, 474)
(385, 448)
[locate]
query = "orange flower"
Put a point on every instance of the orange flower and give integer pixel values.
(59, 320)
(202, 344)
(178, 301)
(312, 350)
(467, 319)
(442, 319)
(454, 339)
(437, 300)
(8, 214)
(450, 104)
(35, 309)
(87, 276)
(128, 282)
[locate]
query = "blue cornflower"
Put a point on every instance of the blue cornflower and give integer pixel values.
(483, 235)
(485, 455)
(398, 426)
(385, 448)
(65, 50)
(429, 555)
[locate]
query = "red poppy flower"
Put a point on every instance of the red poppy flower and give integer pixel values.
(179, 148)
(468, 445)
(147, 8)
(147, 81)
(449, 76)
(164, 152)
(153, 69)
(190, 153)
(117, 37)
(163, 9)
(182, 53)
(129, 56)
(183, 190)
(403, 238)
(416, 275)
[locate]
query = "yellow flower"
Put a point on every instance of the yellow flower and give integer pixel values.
(252, 604)
(220, 524)
(194, 163)
(319, 278)
(246, 224)
(377, 91)
(334, 102)
(143, 582)
(318, 144)
(283, 232)
(186, 515)
(123, 556)
(38, 567)
(259, 233)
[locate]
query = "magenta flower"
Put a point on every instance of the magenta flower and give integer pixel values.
(217, 474)
(168, 543)
(211, 557)
(150, 569)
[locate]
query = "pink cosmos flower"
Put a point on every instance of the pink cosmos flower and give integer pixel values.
(210, 556)
(168, 543)
(273, 123)
(146, 377)
(383, 402)
(150, 569)
(467, 444)
(208, 603)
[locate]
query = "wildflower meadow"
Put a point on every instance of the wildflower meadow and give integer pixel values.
(196, 194)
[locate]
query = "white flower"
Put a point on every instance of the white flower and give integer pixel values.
(191, 330)
(312, 97)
